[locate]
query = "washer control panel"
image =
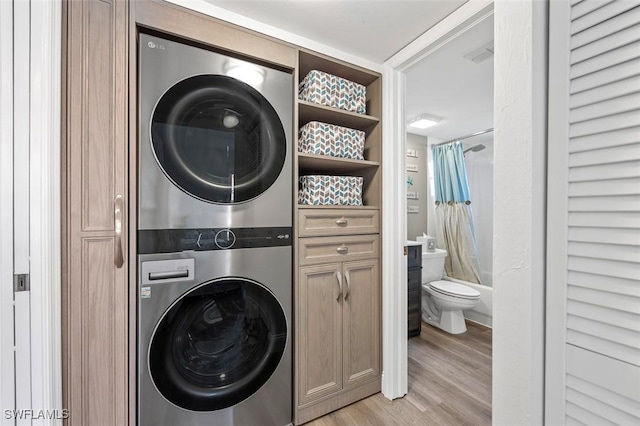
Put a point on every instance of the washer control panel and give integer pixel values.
(202, 239)
(225, 238)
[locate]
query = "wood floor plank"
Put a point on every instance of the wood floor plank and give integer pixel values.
(449, 384)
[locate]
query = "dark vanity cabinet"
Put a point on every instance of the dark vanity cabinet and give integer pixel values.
(414, 263)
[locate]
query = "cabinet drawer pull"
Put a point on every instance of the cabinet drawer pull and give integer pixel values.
(342, 250)
(348, 277)
(342, 222)
(339, 277)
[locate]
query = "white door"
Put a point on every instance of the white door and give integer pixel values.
(593, 251)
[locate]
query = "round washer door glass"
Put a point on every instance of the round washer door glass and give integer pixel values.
(218, 139)
(217, 345)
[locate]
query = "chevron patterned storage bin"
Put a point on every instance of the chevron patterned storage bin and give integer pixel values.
(319, 190)
(327, 89)
(332, 140)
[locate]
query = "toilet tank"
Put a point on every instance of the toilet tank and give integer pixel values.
(433, 265)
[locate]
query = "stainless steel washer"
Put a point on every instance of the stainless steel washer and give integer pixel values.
(215, 139)
(215, 337)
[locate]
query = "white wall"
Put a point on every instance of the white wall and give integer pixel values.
(417, 222)
(480, 175)
(519, 210)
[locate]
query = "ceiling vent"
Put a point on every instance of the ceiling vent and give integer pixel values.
(480, 54)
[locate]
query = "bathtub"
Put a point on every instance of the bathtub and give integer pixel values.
(483, 313)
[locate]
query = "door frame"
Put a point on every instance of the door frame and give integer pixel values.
(557, 228)
(7, 362)
(45, 207)
(394, 223)
(520, 117)
(44, 242)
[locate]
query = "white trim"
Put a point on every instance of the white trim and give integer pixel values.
(21, 227)
(21, 84)
(46, 360)
(558, 158)
(394, 288)
(22, 350)
(234, 18)
(394, 220)
(461, 20)
(7, 360)
(540, 124)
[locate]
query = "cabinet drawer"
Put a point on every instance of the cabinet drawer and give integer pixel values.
(317, 222)
(414, 256)
(313, 251)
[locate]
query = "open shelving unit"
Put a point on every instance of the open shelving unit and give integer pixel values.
(337, 350)
(370, 123)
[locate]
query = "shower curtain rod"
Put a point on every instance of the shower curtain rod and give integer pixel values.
(482, 132)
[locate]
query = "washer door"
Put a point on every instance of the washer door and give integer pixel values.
(217, 344)
(218, 139)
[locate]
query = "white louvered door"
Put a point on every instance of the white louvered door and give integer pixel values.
(593, 240)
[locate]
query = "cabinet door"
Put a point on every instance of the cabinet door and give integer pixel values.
(319, 333)
(361, 321)
(95, 303)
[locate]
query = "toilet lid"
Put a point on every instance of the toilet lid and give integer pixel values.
(454, 289)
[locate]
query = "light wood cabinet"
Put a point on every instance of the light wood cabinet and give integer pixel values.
(337, 290)
(95, 172)
(339, 331)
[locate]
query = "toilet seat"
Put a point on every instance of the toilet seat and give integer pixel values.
(453, 289)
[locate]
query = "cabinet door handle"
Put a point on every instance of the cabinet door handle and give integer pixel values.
(342, 222)
(342, 250)
(339, 277)
(118, 204)
(348, 278)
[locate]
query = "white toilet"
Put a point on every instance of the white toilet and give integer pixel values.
(443, 301)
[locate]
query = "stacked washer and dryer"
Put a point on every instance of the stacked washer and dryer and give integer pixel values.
(214, 238)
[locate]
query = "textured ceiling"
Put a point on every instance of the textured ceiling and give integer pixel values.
(447, 85)
(371, 29)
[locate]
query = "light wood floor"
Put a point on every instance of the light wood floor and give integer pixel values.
(449, 384)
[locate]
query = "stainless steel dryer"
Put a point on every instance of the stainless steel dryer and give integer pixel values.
(215, 337)
(215, 139)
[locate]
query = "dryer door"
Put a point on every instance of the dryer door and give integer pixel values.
(218, 139)
(217, 344)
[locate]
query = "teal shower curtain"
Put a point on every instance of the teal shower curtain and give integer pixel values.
(454, 217)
